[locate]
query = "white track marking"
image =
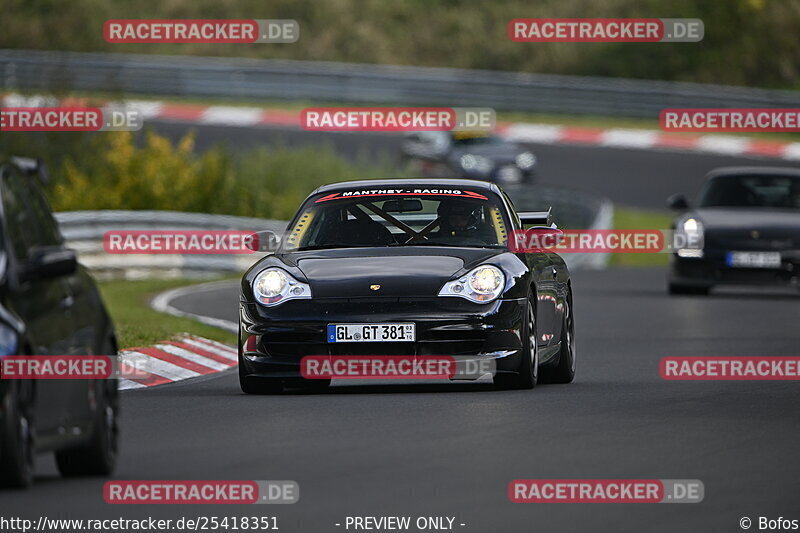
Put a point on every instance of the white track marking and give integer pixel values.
(535, 133)
(722, 144)
(231, 116)
(166, 369)
(629, 138)
(191, 356)
(225, 352)
(126, 384)
(792, 151)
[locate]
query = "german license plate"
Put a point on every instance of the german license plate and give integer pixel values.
(371, 332)
(754, 259)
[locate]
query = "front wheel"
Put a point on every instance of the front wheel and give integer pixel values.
(98, 456)
(564, 371)
(16, 435)
(528, 373)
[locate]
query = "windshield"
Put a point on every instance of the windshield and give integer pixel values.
(474, 139)
(752, 191)
(345, 220)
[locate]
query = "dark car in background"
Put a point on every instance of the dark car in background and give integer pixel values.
(748, 220)
(427, 259)
(49, 305)
(468, 154)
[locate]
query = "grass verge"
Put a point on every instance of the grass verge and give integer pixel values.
(139, 325)
(628, 218)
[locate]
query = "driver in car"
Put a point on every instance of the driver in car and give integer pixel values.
(461, 222)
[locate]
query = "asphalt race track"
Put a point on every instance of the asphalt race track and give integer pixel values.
(451, 449)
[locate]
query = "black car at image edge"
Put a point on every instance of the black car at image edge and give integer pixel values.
(49, 305)
(430, 254)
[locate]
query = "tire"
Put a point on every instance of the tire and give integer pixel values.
(17, 435)
(314, 384)
(99, 456)
(528, 373)
(564, 370)
(676, 288)
(251, 385)
(261, 386)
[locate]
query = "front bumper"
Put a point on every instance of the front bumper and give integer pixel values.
(712, 269)
(272, 341)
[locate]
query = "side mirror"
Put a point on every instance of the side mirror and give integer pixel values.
(33, 167)
(264, 241)
(49, 262)
(536, 239)
(677, 202)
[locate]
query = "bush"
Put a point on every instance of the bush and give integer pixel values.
(110, 171)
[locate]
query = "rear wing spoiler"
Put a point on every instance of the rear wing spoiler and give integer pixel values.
(537, 218)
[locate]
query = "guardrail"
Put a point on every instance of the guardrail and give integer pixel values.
(256, 79)
(84, 230)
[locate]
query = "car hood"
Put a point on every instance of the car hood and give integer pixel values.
(398, 272)
(741, 228)
(725, 218)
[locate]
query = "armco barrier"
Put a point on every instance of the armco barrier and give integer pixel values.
(256, 79)
(84, 230)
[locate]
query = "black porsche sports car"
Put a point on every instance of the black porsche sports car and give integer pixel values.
(467, 154)
(748, 220)
(428, 259)
(49, 305)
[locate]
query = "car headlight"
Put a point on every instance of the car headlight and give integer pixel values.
(477, 163)
(274, 286)
(526, 160)
(691, 233)
(482, 285)
(8, 340)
